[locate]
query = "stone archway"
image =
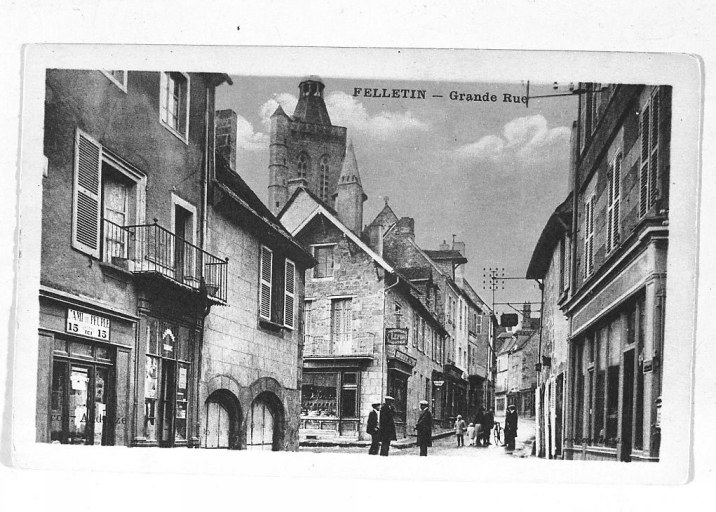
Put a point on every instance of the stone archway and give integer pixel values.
(265, 423)
(222, 420)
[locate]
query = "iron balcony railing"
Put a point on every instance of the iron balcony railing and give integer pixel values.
(344, 344)
(150, 248)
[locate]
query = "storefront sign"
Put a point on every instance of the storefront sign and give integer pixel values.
(85, 324)
(404, 358)
(438, 383)
(396, 336)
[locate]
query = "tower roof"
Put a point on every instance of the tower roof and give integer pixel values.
(349, 170)
(279, 112)
(310, 107)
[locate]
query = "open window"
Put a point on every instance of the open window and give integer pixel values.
(174, 103)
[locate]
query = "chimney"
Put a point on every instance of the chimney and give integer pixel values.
(459, 247)
(444, 246)
(375, 238)
(406, 226)
(526, 316)
(225, 124)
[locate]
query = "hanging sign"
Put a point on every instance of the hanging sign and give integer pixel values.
(94, 326)
(396, 336)
(648, 365)
(438, 383)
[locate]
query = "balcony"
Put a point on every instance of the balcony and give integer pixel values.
(347, 345)
(153, 250)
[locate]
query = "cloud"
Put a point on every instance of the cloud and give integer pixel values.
(287, 102)
(345, 110)
(247, 139)
(523, 138)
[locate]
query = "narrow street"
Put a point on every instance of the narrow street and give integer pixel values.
(447, 446)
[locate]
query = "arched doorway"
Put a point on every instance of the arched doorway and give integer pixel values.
(264, 425)
(223, 416)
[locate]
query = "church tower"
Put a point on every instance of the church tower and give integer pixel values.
(306, 150)
(349, 196)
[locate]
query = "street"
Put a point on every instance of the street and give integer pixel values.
(447, 446)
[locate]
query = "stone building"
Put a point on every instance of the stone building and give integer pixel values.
(126, 281)
(250, 383)
(550, 266)
(620, 227)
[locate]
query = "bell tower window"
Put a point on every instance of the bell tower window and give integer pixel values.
(303, 165)
(324, 168)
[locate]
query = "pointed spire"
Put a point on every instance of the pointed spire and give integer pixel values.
(349, 171)
(279, 112)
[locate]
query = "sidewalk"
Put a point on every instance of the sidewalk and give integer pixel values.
(524, 444)
(406, 442)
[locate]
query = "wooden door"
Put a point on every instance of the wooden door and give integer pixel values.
(259, 435)
(217, 426)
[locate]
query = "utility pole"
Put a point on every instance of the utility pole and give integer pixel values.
(492, 279)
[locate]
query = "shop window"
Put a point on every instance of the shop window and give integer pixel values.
(79, 402)
(174, 103)
(349, 396)
(324, 255)
(166, 382)
(319, 395)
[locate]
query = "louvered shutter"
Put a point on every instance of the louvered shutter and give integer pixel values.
(617, 199)
(163, 91)
(289, 294)
(265, 284)
(654, 150)
(87, 195)
(644, 171)
(610, 206)
(591, 234)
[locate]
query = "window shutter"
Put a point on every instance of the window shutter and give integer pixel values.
(87, 195)
(265, 284)
(654, 149)
(289, 294)
(163, 91)
(644, 171)
(610, 205)
(617, 199)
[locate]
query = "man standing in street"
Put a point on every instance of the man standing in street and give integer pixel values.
(387, 426)
(488, 423)
(510, 427)
(372, 429)
(424, 428)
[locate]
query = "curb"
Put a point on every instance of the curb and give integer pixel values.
(401, 444)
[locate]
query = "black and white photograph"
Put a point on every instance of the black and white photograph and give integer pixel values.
(357, 263)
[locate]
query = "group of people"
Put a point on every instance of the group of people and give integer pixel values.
(478, 432)
(381, 427)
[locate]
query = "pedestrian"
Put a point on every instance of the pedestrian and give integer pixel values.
(386, 426)
(373, 430)
(510, 427)
(488, 424)
(460, 430)
(424, 428)
(471, 434)
(480, 419)
(478, 434)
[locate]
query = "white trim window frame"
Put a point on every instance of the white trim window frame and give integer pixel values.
(649, 155)
(174, 104)
(614, 202)
(589, 236)
(265, 282)
(289, 288)
(110, 74)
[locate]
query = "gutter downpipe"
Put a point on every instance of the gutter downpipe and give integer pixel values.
(384, 360)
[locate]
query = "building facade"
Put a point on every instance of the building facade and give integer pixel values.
(618, 280)
(125, 281)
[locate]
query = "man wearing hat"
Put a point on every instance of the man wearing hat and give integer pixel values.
(424, 428)
(372, 429)
(387, 426)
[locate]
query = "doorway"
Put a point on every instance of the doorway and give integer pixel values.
(260, 427)
(627, 406)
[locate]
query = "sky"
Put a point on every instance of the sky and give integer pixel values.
(489, 172)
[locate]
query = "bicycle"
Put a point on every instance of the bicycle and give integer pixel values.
(497, 432)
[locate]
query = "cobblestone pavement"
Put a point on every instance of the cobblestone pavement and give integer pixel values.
(448, 446)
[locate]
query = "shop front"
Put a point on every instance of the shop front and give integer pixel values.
(84, 369)
(455, 392)
(400, 369)
(330, 403)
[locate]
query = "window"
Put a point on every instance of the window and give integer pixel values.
(303, 165)
(174, 103)
(589, 237)
(324, 170)
(349, 395)
(613, 192)
(649, 166)
(319, 395)
(117, 77)
(166, 381)
(422, 335)
(341, 326)
(416, 328)
(398, 314)
(107, 196)
(308, 317)
(277, 289)
(324, 255)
